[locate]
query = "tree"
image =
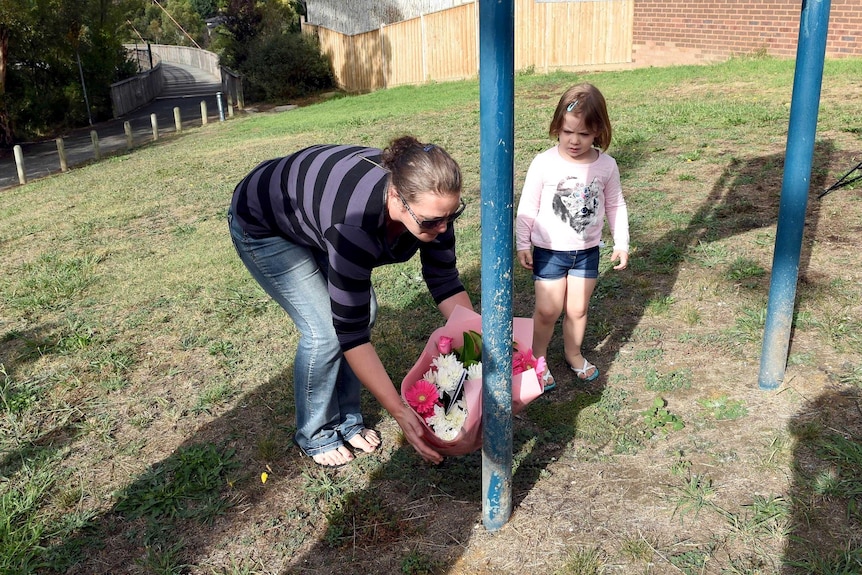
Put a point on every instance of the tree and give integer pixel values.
(13, 14)
(168, 22)
(42, 43)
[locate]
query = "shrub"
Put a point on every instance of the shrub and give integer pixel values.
(283, 66)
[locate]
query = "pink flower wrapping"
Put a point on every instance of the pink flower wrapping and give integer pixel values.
(525, 385)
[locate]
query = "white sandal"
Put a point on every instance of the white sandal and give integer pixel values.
(548, 382)
(582, 373)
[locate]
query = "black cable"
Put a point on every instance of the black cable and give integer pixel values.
(843, 181)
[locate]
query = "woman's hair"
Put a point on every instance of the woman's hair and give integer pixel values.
(418, 168)
(586, 101)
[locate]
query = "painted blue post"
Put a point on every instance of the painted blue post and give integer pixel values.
(496, 114)
(804, 105)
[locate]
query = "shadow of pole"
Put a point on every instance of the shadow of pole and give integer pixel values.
(745, 197)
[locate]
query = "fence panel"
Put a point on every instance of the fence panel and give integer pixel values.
(450, 42)
(530, 36)
(443, 46)
(336, 47)
(404, 53)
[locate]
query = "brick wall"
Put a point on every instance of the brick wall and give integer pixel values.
(700, 31)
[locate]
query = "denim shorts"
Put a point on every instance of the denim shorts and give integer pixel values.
(553, 265)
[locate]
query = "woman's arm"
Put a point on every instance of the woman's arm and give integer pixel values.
(447, 305)
(367, 366)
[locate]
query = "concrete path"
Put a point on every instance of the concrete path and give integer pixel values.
(185, 87)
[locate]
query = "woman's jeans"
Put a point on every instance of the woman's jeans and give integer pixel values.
(326, 391)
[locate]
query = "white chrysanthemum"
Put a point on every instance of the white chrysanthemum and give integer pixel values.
(438, 420)
(445, 426)
(449, 371)
(430, 376)
(475, 371)
(457, 415)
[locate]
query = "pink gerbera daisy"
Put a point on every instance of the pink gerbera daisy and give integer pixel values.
(422, 397)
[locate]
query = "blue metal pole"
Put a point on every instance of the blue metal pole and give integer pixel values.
(496, 114)
(804, 105)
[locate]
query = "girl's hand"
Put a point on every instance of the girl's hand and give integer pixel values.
(623, 257)
(525, 258)
(412, 428)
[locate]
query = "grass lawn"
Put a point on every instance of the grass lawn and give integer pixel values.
(146, 381)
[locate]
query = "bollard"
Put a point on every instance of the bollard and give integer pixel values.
(94, 137)
(220, 107)
(155, 122)
(178, 122)
(230, 110)
(61, 151)
(127, 127)
(204, 118)
(19, 162)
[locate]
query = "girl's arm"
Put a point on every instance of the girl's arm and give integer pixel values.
(617, 214)
(528, 207)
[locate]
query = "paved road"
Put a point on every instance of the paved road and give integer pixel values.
(185, 87)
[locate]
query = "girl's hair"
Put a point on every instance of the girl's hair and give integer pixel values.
(586, 101)
(419, 168)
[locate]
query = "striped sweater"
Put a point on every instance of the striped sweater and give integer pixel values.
(332, 199)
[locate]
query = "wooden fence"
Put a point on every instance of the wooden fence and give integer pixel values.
(443, 46)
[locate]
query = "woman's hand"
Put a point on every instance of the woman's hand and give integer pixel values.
(412, 428)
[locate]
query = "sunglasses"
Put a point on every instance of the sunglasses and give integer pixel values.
(435, 223)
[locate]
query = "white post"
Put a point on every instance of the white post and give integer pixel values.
(19, 162)
(178, 122)
(204, 118)
(61, 151)
(94, 137)
(155, 123)
(127, 127)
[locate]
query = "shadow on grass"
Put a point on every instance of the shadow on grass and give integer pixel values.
(412, 515)
(826, 496)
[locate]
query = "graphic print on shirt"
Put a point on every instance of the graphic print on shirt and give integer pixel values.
(576, 203)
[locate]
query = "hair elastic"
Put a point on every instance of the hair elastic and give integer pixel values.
(571, 106)
(427, 147)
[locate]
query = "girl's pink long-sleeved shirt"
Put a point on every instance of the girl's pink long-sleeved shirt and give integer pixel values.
(563, 204)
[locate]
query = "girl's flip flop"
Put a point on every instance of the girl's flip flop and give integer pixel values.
(582, 373)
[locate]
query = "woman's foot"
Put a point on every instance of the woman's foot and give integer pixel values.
(366, 441)
(333, 457)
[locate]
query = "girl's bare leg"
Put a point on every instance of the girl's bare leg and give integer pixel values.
(578, 293)
(550, 298)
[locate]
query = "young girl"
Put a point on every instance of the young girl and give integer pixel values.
(568, 192)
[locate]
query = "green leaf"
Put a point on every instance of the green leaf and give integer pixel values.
(471, 352)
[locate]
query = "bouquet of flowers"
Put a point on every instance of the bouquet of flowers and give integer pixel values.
(445, 385)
